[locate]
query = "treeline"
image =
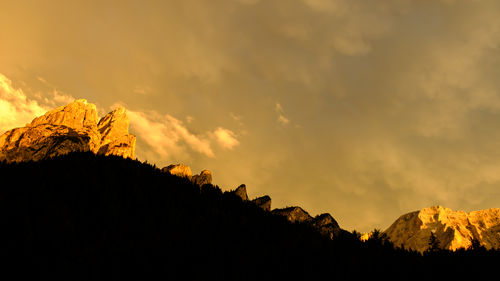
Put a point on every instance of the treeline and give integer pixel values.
(88, 217)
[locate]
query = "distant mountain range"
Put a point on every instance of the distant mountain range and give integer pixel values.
(76, 128)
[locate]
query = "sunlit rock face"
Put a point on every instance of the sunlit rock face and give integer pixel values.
(66, 129)
(205, 177)
(453, 229)
(241, 192)
(179, 170)
(366, 236)
(324, 223)
(263, 202)
(327, 225)
(115, 139)
(293, 214)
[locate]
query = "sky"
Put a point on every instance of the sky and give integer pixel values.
(363, 109)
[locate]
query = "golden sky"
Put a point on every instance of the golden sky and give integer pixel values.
(363, 109)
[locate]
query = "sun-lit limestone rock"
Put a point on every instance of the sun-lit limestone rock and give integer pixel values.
(453, 229)
(179, 170)
(241, 192)
(293, 214)
(205, 177)
(366, 236)
(77, 114)
(324, 223)
(263, 202)
(115, 138)
(327, 225)
(66, 129)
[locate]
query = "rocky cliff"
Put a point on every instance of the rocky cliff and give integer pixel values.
(179, 170)
(293, 214)
(263, 202)
(205, 177)
(69, 128)
(324, 223)
(453, 229)
(241, 192)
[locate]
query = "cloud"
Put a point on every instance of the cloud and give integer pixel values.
(226, 138)
(17, 109)
(169, 138)
(166, 135)
(282, 120)
(195, 142)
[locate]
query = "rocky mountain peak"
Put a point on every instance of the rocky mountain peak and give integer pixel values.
(324, 220)
(114, 123)
(66, 129)
(241, 192)
(264, 202)
(293, 214)
(205, 177)
(327, 225)
(179, 170)
(78, 114)
(453, 229)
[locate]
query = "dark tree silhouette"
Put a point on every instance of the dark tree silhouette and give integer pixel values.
(88, 217)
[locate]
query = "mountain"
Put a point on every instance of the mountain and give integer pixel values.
(84, 210)
(324, 223)
(452, 229)
(82, 216)
(70, 128)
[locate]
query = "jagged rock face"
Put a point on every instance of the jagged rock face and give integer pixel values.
(263, 202)
(293, 214)
(241, 192)
(179, 170)
(453, 229)
(78, 114)
(327, 225)
(67, 129)
(324, 223)
(115, 138)
(205, 177)
(366, 236)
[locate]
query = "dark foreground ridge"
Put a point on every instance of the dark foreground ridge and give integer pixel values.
(90, 217)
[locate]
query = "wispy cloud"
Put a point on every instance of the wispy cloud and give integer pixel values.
(169, 138)
(167, 135)
(17, 109)
(226, 138)
(282, 120)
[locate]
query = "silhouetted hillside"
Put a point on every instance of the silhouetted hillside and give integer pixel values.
(88, 217)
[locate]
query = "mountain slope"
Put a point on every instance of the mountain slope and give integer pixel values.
(89, 217)
(453, 229)
(114, 218)
(66, 129)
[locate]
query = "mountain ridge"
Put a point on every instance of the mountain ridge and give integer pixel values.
(453, 229)
(69, 128)
(76, 127)
(84, 216)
